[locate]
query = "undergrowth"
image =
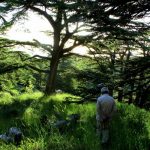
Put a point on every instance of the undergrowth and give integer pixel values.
(36, 116)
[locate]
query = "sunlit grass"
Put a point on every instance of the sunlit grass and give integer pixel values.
(26, 96)
(130, 128)
(60, 97)
(5, 98)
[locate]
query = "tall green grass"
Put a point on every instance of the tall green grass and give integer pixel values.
(129, 130)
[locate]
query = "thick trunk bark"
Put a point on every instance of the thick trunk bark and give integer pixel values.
(51, 81)
(139, 91)
(50, 85)
(120, 95)
(131, 94)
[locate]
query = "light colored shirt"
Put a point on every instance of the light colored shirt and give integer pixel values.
(105, 107)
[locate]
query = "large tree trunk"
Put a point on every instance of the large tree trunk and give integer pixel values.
(50, 85)
(120, 94)
(51, 81)
(131, 89)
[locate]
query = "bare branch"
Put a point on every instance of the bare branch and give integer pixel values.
(5, 46)
(76, 54)
(66, 23)
(44, 13)
(37, 56)
(4, 20)
(75, 44)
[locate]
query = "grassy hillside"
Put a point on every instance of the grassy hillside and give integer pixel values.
(130, 129)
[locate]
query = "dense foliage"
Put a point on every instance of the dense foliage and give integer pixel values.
(101, 19)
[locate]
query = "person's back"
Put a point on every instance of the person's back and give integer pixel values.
(105, 108)
(106, 105)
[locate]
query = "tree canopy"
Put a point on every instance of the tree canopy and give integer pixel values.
(104, 19)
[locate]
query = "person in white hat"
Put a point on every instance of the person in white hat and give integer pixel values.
(105, 108)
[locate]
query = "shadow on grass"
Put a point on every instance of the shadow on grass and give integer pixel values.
(10, 114)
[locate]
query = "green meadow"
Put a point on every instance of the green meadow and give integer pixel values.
(129, 129)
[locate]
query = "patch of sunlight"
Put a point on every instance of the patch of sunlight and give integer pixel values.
(5, 98)
(27, 96)
(60, 97)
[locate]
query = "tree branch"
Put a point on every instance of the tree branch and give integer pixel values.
(14, 67)
(37, 69)
(71, 47)
(76, 54)
(4, 20)
(46, 47)
(37, 56)
(44, 13)
(10, 68)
